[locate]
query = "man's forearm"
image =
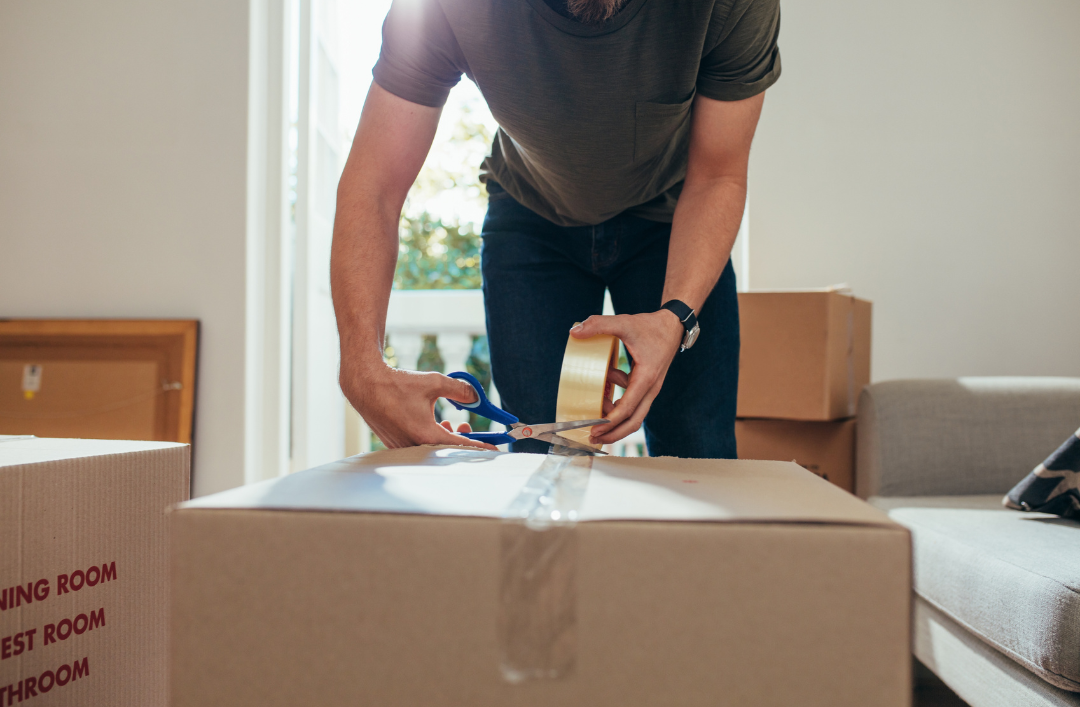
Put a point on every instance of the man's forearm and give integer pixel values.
(362, 261)
(713, 197)
(390, 145)
(703, 232)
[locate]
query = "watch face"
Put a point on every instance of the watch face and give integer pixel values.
(691, 337)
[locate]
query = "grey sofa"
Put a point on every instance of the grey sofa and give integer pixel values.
(997, 592)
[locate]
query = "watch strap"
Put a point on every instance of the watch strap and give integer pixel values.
(683, 311)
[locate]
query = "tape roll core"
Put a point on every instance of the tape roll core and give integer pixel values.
(584, 384)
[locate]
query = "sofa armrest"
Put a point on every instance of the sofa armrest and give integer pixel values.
(959, 436)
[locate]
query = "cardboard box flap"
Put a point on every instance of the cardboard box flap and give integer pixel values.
(465, 482)
(18, 450)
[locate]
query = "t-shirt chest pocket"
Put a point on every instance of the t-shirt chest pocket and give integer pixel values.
(659, 127)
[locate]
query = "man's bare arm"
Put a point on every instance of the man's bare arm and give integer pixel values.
(702, 233)
(389, 149)
(713, 198)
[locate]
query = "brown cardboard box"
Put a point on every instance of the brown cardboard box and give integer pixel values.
(825, 448)
(83, 567)
(805, 355)
(434, 576)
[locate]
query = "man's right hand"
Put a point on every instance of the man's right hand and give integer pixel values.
(391, 143)
(399, 406)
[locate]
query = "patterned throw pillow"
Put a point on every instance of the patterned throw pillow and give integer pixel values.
(1054, 486)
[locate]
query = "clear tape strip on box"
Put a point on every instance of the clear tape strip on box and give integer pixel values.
(537, 618)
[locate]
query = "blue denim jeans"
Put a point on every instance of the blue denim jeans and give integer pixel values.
(540, 278)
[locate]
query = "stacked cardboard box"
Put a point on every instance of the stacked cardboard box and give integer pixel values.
(83, 568)
(805, 358)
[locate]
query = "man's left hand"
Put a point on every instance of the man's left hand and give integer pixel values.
(652, 340)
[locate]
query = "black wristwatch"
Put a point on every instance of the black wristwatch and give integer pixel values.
(688, 319)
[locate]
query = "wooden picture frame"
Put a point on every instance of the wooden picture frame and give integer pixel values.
(99, 378)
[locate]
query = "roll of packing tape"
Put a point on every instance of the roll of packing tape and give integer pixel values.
(584, 384)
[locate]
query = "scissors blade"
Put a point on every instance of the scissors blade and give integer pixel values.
(560, 441)
(518, 430)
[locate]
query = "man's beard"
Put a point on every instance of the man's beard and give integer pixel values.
(593, 11)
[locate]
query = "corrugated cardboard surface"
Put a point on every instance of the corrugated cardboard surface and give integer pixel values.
(804, 355)
(67, 506)
(772, 588)
(825, 448)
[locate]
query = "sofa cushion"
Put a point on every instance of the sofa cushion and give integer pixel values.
(1012, 579)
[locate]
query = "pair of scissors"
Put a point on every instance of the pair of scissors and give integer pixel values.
(518, 430)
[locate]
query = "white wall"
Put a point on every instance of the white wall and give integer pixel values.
(123, 129)
(928, 153)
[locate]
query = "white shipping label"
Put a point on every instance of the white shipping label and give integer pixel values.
(31, 378)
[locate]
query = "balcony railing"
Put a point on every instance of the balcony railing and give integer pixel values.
(455, 318)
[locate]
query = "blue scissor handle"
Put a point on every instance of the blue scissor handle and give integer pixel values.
(495, 438)
(482, 406)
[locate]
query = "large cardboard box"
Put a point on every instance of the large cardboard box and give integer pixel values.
(805, 355)
(83, 569)
(825, 448)
(442, 576)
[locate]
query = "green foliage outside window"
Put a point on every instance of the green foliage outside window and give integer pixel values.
(434, 255)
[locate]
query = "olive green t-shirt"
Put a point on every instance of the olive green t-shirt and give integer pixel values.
(593, 118)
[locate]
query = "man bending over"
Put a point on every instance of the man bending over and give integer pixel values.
(620, 163)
